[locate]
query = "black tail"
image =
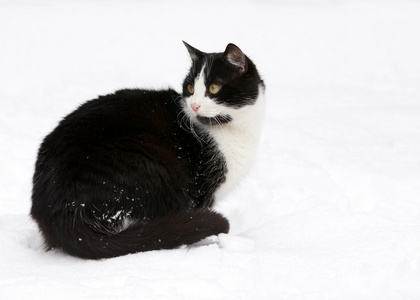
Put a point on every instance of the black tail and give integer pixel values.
(79, 239)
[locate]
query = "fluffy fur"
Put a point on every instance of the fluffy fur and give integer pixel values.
(139, 170)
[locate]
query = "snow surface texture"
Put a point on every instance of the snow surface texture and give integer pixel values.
(332, 209)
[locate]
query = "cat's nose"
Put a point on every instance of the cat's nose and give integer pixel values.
(195, 107)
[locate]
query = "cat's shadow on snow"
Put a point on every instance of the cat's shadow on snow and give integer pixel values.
(33, 240)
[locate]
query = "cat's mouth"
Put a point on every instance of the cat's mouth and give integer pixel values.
(216, 120)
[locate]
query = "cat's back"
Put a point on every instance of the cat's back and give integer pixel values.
(108, 134)
(113, 119)
(123, 111)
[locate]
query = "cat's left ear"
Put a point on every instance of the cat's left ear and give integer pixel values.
(194, 53)
(236, 57)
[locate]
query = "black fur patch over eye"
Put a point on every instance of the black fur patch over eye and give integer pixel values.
(239, 89)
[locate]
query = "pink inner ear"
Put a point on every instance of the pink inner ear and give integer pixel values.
(235, 60)
(236, 57)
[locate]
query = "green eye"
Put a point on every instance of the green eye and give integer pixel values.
(214, 89)
(190, 89)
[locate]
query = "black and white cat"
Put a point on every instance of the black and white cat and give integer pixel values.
(139, 170)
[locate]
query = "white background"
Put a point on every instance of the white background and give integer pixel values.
(332, 208)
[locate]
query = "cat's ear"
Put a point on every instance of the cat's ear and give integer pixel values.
(194, 53)
(234, 56)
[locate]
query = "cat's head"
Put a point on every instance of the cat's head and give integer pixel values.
(221, 88)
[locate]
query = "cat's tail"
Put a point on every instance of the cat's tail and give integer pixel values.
(171, 231)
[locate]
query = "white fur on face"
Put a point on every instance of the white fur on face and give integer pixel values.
(208, 108)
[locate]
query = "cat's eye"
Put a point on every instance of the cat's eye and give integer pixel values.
(214, 89)
(190, 89)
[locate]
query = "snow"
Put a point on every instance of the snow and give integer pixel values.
(332, 208)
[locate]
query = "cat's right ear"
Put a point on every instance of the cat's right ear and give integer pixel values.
(194, 53)
(234, 56)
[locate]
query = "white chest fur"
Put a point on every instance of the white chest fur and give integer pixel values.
(238, 142)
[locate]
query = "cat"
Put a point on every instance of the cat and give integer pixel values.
(139, 170)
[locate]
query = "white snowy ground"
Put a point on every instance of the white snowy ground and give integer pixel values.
(332, 209)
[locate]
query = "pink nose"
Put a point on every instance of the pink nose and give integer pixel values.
(195, 107)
